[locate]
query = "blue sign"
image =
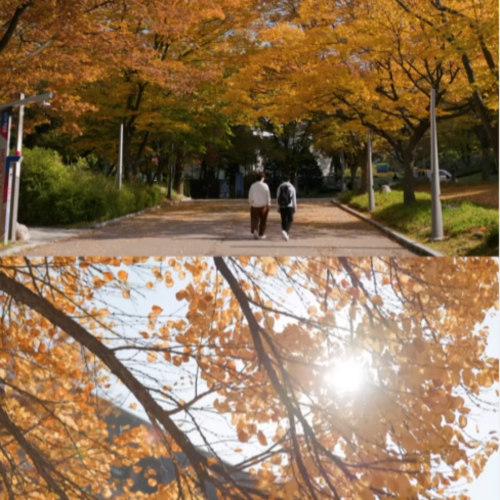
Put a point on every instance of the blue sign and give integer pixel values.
(239, 184)
(382, 167)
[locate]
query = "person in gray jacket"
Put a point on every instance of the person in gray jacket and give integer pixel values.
(287, 205)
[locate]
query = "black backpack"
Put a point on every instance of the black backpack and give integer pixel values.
(285, 196)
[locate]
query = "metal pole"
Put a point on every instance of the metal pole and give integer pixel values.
(171, 180)
(119, 172)
(28, 100)
(7, 190)
(437, 213)
(369, 166)
(17, 172)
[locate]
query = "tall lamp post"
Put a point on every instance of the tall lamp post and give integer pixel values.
(437, 212)
(119, 170)
(369, 166)
(9, 182)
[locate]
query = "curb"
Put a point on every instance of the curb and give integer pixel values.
(134, 214)
(412, 245)
(28, 246)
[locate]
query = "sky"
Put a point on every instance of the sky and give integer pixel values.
(486, 487)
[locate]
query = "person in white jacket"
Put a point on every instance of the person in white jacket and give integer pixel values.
(259, 199)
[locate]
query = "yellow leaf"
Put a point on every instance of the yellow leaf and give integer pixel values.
(243, 436)
(262, 439)
(122, 275)
(462, 420)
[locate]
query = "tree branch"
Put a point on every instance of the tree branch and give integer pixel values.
(13, 25)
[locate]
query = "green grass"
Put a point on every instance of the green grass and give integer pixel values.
(476, 178)
(461, 221)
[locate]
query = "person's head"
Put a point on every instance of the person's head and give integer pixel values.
(261, 176)
(287, 178)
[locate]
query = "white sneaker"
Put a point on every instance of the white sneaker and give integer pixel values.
(285, 235)
(255, 235)
(262, 237)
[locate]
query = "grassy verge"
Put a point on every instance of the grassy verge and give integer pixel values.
(470, 228)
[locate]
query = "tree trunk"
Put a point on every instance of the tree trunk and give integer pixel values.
(179, 174)
(485, 114)
(495, 145)
(353, 168)
(361, 160)
(128, 132)
(140, 154)
(485, 160)
(171, 166)
(409, 179)
(12, 25)
(485, 142)
(491, 129)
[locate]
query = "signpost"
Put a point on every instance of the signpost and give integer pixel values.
(7, 197)
(5, 122)
(17, 174)
(7, 182)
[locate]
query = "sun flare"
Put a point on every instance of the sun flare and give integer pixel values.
(346, 376)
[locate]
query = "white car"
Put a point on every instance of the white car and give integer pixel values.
(444, 175)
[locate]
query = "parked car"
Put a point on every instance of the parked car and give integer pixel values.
(444, 175)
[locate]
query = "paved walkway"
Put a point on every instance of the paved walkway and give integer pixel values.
(223, 228)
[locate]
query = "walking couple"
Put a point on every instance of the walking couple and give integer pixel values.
(259, 198)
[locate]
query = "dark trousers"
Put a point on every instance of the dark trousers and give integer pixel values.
(258, 218)
(286, 218)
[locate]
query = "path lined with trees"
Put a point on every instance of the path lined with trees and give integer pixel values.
(192, 81)
(223, 228)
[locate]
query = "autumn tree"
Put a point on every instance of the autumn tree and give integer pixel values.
(471, 30)
(266, 343)
(177, 50)
(369, 65)
(55, 46)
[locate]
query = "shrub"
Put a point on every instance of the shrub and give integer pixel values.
(492, 238)
(55, 194)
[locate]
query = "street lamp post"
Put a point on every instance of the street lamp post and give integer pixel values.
(119, 172)
(437, 213)
(171, 174)
(369, 166)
